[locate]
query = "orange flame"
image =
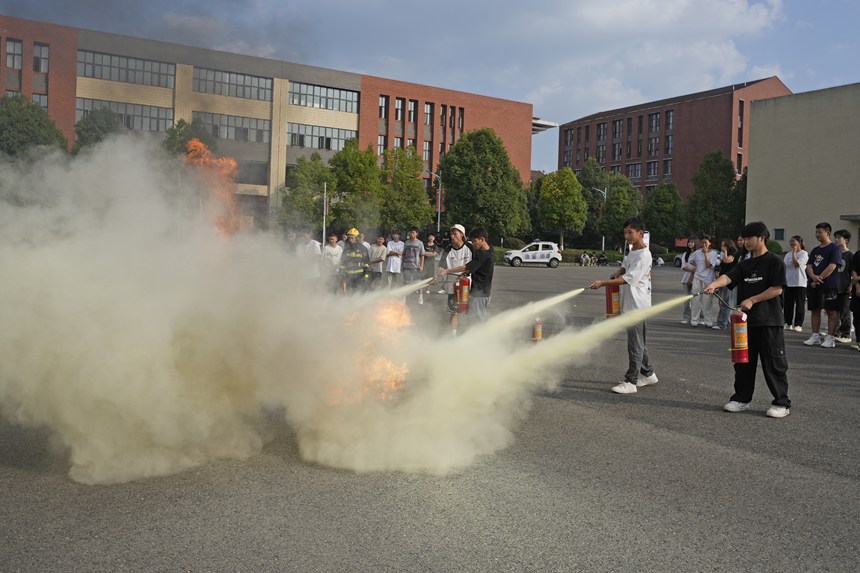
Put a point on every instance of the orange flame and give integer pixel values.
(219, 178)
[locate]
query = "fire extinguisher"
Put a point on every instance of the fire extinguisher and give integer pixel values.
(461, 294)
(613, 301)
(740, 340)
(537, 330)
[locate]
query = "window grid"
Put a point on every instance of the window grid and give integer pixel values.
(398, 109)
(667, 167)
(668, 149)
(40, 58)
(670, 120)
(634, 170)
(654, 122)
(427, 151)
(428, 114)
(617, 128)
(653, 146)
(322, 97)
(653, 169)
(601, 131)
(124, 69)
(231, 84)
(318, 137)
(235, 127)
(381, 144)
(14, 54)
(412, 110)
(41, 99)
(132, 116)
(383, 106)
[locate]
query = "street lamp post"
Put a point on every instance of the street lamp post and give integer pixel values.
(602, 237)
(438, 201)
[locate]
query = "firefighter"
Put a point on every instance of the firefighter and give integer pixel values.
(354, 264)
(760, 281)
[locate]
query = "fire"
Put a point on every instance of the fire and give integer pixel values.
(219, 178)
(376, 376)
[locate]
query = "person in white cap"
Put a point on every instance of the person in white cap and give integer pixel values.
(456, 255)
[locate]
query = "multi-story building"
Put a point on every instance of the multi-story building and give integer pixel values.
(666, 140)
(264, 113)
(804, 166)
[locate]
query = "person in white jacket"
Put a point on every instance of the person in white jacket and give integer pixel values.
(687, 277)
(702, 307)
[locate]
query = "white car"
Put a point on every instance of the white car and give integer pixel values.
(542, 252)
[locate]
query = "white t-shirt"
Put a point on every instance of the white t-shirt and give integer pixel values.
(456, 258)
(309, 255)
(796, 277)
(685, 260)
(636, 290)
(394, 262)
(331, 258)
(703, 272)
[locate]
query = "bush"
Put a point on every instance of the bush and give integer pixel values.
(658, 249)
(512, 243)
(774, 247)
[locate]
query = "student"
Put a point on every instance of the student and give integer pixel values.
(458, 254)
(635, 281)
(760, 280)
(705, 260)
(687, 277)
(481, 268)
(822, 286)
(842, 238)
(795, 279)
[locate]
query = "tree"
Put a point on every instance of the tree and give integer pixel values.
(180, 134)
(623, 201)
(664, 214)
(483, 187)
(532, 199)
(355, 200)
(592, 177)
(712, 208)
(302, 204)
(94, 127)
(404, 202)
(561, 207)
(24, 125)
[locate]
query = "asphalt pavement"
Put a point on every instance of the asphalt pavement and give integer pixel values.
(660, 480)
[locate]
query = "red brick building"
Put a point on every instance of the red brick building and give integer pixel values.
(666, 140)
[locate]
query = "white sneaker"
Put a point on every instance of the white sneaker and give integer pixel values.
(829, 342)
(694, 323)
(813, 340)
(786, 327)
(798, 329)
(685, 322)
(421, 298)
(646, 380)
(441, 291)
(624, 388)
(736, 406)
(843, 339)
(777, 412)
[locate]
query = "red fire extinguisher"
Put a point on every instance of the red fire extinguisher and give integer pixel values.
(537, 330)
(461, 294)
(613, 301)
(740, 340)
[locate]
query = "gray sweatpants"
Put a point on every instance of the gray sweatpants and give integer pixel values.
(637, 353)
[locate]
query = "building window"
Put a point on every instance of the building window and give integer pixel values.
(654, 122)
(617, 128)
(413, 111)
(410, 145)
(586, 133)
(428, 114)
(398, 109)
(740, 123)
(235, 127)
(123, 69)
(443, 116)
(383, 106)
(14, 54)
(601, 153)
(41, 99)
(653, 169)
(670, 120)
(252, 172)
(451, 119)
(233, 85)
(740, 161)
(578, 155)
(634, 170)
(579, 134)
(322, 97)
(617, 151)
(398, 142)
(381, 144)
(629, 151)
(40, 58)
(566, 160)
(601, 131)
(132, 116)
(668, 149)
(461, 118)
(640, 125)
(667, 167)
(318, 136)
(427, 152)
(568, 137)
(639, 148)
(653, 146)
(779, 234)
(615, 169)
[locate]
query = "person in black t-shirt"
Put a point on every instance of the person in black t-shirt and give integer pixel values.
(759, 280)
(481, 267)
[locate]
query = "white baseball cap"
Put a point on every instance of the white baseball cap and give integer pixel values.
(460, 228)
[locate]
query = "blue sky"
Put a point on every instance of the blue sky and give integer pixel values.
(567, 57)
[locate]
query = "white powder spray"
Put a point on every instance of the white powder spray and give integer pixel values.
(147, 343)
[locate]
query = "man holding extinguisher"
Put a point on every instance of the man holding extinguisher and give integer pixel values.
(760, 280)
(634, 278)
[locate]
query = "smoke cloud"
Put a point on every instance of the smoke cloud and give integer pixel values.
(146, 342)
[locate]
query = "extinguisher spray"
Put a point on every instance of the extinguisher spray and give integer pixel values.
(613, 301)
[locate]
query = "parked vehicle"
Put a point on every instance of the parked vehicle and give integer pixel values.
(542, 252)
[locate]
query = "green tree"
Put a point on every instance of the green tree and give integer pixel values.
(738, 208)
(623, 201)
(356, 196)
(24, 125)
(483, 187)
(302, 198)
(663, 214)
(592, 177)
(404, 202)
(94, 127)
(180, 134)
(532, 199)
(561, 207)
(711, 207)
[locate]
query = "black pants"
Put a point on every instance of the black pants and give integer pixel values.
(843, 330)
(795, 305)
(768, 344)
(855, 308)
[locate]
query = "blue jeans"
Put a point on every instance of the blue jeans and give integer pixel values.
(479, 305)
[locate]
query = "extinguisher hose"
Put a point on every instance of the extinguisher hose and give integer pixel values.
(719, 298)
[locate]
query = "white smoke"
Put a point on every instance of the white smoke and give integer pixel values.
(147, 343)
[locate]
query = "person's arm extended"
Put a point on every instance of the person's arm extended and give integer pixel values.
(720, 282)
(614, 279)
(770, 293)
